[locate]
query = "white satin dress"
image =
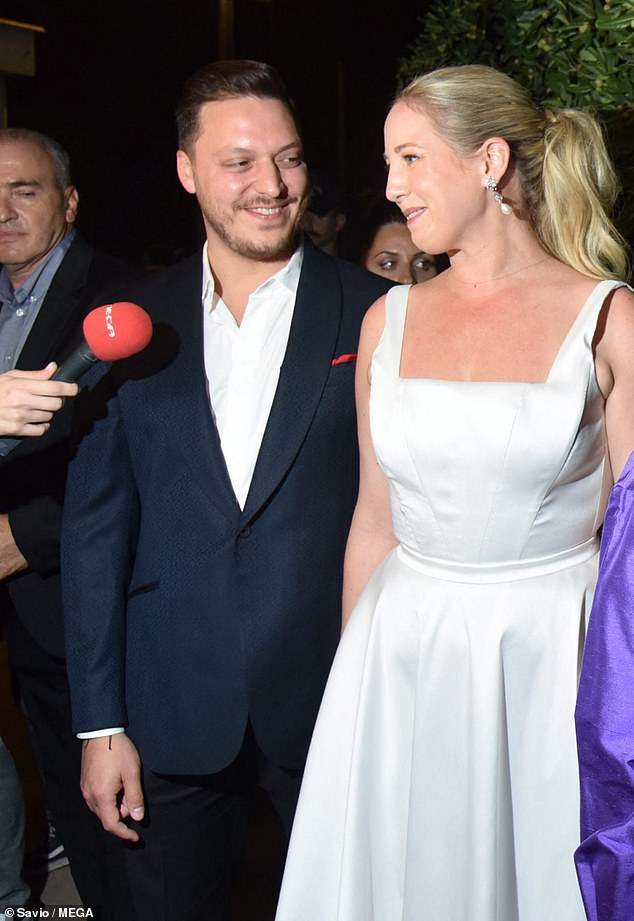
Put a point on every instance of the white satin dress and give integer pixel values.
(442, 780)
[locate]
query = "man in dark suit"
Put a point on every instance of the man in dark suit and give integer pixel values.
(208, 507)
(50, 278)
(28, 400)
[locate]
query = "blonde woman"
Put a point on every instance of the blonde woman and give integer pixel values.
(494, 408)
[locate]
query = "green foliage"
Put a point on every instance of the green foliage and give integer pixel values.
(567, 52)
(573, 54)
(453, 32)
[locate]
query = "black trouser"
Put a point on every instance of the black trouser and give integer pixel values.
(96, 858)
(194, 832)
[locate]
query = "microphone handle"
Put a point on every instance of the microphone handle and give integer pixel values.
(81, 359)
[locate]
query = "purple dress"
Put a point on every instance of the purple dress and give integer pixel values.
(605, 721)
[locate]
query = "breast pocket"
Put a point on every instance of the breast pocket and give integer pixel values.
(342, 375)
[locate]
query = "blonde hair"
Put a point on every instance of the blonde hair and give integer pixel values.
(561, 159)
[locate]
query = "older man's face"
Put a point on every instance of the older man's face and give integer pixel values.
(35, 213)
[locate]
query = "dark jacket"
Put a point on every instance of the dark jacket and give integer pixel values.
(185, 615)
(33, 475)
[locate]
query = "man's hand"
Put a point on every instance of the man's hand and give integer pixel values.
(28, 400)
(111, 783)
(11, 559)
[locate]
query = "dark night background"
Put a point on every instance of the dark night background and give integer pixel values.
(108, 75)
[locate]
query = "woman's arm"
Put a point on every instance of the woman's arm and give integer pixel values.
(371, 537)
(615, 373)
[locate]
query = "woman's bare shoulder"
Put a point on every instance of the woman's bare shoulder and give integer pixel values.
(619, 323)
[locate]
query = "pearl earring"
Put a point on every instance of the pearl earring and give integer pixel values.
(492, 186)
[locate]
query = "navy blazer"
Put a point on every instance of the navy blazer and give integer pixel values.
(33, 475)
(185, 615)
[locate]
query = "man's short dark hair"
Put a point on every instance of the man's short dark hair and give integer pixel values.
(59, 157)
(226, 80)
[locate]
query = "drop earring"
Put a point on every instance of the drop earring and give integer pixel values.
(492, 186)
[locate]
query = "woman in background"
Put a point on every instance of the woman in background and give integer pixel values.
(382, 244)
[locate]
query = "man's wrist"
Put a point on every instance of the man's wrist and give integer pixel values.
(100, 733)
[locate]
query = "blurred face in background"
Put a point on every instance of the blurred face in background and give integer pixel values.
(394, 255)
(323, 229)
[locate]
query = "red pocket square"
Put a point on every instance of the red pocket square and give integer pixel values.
(344, 359)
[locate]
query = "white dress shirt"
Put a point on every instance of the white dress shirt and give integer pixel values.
(243, 362)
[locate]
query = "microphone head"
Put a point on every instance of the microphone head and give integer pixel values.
(117, 330)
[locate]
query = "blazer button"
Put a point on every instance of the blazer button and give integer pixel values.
(245, 531)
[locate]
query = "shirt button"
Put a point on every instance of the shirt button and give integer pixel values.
(20, 312)
(245, 531)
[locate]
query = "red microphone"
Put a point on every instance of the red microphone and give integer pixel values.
(111, 332)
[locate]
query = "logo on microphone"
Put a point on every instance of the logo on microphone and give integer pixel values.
(110, 322)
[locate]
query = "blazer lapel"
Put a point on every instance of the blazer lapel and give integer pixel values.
(311, 346)
(185, 395)
(61, 311)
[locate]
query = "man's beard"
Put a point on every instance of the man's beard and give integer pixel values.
(282, 245)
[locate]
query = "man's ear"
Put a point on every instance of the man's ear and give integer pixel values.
(71, 204)
(340, 222)
(185, 171)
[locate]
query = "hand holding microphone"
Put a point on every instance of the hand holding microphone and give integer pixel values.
(28, 399)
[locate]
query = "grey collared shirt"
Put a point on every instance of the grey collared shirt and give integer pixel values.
(19, 308)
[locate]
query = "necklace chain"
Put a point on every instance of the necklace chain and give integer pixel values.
(504, 275)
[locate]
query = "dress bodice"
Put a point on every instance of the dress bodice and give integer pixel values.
(492, 472)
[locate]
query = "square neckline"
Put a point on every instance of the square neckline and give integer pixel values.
(560, 351)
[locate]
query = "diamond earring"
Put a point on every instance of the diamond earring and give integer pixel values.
(492, 186)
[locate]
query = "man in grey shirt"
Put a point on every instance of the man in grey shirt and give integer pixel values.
(51, 277)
